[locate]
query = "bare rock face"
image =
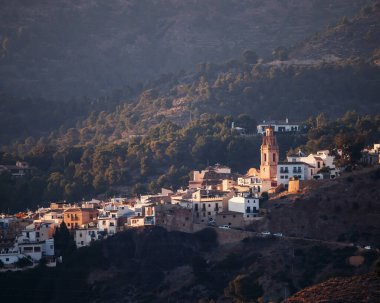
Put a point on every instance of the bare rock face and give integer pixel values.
(87, 47)
(363, 288)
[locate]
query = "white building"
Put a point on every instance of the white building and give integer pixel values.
(84, 237)
(37, 232)
(32, 250)
(245, 203)
(108, 225)
(280, 126)
(321, 160)
(254, 182)
(8, 258)
(298, 170)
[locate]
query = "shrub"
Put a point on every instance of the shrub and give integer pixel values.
(265, 196)
(245, 288)
(23, 262)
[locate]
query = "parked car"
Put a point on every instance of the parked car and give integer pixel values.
(224, 226)
(278, 234)
(265, 233)
(367, 247)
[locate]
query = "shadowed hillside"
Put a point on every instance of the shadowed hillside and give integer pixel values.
(153, 265)
(349, 290)
(356, 37)
(87, 47)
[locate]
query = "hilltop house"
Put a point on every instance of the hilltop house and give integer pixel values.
(279, 126)
(19, 170)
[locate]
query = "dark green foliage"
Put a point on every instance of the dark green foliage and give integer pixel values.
(280, 53)
(200, 268)
(249, 57)
(161, 158)
(265, 196)
(230, 264)
(23, 262)
(377, 268)
(244, 288)
(63, 241)
(207, 239)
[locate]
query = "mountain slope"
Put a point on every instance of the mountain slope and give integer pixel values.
(87, 47)
(354, 289)
(356, 37)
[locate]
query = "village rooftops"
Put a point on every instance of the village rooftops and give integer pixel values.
(212, 193)
(295, 163)
(77, 209)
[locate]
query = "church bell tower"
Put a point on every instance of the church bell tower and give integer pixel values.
(269, 155)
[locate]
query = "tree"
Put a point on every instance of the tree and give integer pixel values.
(245, 288)
(280, 53)
(249, 57)
(63, 241)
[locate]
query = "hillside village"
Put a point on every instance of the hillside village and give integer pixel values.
(215, 197)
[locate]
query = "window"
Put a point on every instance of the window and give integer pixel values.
(81, 243)
(224, 217)
(274, 157)
(6, 259)
(286, 176)
(80, 235)
(209, 213)
(265, 157)
(281, 177)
